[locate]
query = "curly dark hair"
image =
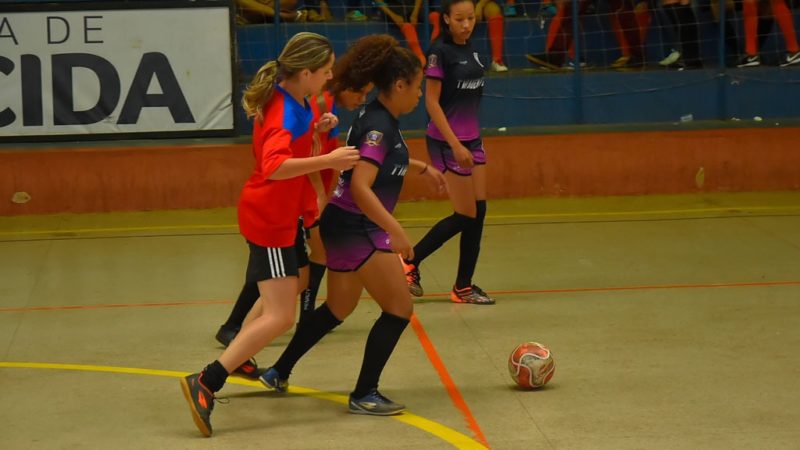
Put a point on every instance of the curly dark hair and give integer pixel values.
(357, 66)
(375, 59)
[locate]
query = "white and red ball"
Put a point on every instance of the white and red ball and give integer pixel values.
(531, 365)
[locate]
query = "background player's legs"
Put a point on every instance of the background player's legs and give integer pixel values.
(316, 271)
(244, 303)
(344, 290)
(470, 243)
(462, 196)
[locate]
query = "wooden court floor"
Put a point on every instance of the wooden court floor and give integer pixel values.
(674, 322)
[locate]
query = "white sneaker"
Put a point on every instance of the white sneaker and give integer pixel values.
(673, 56)
(497, 67)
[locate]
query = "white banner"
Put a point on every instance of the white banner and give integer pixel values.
(115, 71)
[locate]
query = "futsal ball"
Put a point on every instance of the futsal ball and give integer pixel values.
(531, 365)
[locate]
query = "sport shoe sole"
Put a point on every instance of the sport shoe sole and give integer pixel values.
(198, 421)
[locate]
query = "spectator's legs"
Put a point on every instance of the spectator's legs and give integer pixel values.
(494, 20)
(750, 10)
(786, 22)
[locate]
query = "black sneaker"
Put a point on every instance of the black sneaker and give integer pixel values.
(374, 404)
(749, 61)
(791, 59)
(201, 402)
(226, 334)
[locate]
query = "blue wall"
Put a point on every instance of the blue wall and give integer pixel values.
(525, 97)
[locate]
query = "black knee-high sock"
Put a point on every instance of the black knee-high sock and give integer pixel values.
(690, 44)
(214, 376)
(380, 344)
(307, 334)
(470, 247)
(247, 298)
(308, 297)
(438, 235)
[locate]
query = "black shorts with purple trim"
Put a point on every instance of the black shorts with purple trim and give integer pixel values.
(350, 238)
(443, 159)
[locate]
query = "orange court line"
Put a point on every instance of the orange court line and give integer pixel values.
(434, 295)
(447, 381)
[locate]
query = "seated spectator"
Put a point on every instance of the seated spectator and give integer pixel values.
(317, 11)
(355, 11)
(782, 15)
(404, 14)
(261, 11)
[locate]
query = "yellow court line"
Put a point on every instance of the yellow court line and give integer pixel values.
(648, 213)
(442, 432)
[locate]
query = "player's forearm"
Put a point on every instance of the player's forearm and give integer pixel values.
(295, 167)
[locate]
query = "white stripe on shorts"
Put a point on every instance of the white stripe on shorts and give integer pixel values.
(276, 263)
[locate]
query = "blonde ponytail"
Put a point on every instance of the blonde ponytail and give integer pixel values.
(303, 51)
(259, 90)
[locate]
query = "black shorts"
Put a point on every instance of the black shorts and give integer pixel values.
(350, 239)
(266, 263)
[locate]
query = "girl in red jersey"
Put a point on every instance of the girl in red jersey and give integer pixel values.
(271, 201)
(352, 81)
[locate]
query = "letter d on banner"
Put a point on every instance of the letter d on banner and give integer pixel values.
(63, 104)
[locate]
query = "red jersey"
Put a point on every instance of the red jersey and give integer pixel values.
(268, 209)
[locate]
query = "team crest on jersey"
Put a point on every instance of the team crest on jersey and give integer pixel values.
(433, 61)
(374, 138)
(478, 60)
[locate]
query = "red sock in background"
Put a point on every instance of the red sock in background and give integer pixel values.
(784, 18)
(750, 27)
(433, 17)
(623, 44)
(410, 33)
(495, 25)
(555, 27)
(643, 18)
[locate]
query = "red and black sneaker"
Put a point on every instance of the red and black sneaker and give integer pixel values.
(201, 402)
(412, 278)
(471, 294)
(249, 369)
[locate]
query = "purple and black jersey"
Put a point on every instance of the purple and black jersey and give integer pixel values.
(461, 73)
(376, 135)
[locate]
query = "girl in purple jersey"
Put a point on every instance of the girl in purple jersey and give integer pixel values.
(453, 91)
(361, 236)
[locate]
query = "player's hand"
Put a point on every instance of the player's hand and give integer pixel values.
(343, 158)
(436, 179)
(463, 156)
(326, 123)
(401, 244)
